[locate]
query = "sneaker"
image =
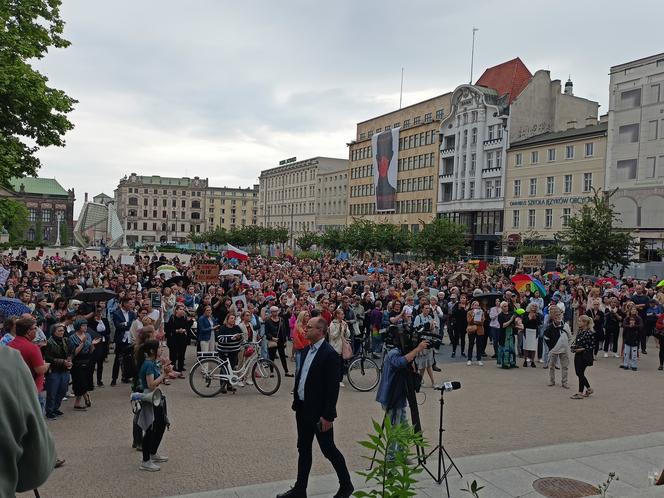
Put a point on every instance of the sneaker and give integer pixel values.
(606, 355)
(453, 354)
(150, 466)
(480, 363)
(660, 367)
(565, 386)
(634, 369)
(157, 458)
(59, 462)
(622, 366)
(114, 383)
(644, 352)
(541, 360)
(51, 416)
(616, 355)
(100, 384)
(469, 363)
(58, 413)
(435, 368)
(241, 383)
(463, 355)
(249, 383)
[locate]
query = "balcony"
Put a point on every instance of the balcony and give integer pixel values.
(447, 177)
(492, 172)
(448, 152)
(494, 143)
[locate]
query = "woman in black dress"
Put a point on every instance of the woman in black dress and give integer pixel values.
(81, 348)
(178, 330)
(459, 325)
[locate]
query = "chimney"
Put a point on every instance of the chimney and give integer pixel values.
(591, 121)
(569, 87)
(85, 197)
(571, 124)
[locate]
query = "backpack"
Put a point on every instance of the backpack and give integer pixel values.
(659, 325)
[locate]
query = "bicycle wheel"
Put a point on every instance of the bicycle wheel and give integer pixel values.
(266, 377)
(363, 374)
(204, 377)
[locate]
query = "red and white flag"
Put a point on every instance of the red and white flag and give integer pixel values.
(234, 252)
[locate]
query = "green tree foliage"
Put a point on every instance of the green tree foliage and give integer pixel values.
(393, 239)
(32, 114)
(592, 242)
(333, 240)
(392, 474)
(14, 217)
(440, 239)
(307, 240)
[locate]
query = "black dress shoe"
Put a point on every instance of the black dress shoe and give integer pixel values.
(345, 491)
(435, 368)
(293, 493)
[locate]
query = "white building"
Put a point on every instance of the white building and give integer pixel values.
(635, 150)
(475, 136)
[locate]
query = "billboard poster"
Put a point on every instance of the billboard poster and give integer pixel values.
(385, 147)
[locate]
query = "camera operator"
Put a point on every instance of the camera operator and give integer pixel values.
(397, 366)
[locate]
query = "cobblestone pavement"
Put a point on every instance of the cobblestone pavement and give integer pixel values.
(248, 438)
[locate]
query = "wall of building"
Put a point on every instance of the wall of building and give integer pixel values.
(331, 199)
(418, 159)
(230, 208)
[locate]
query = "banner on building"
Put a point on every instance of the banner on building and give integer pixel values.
(385, 147)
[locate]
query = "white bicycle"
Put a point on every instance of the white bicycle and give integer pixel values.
(212, 374)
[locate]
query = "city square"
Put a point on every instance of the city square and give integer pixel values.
(246, 438)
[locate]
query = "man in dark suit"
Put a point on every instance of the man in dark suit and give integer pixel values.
(122, 319)
(315, 404)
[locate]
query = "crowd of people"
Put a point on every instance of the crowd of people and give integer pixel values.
(79, 311)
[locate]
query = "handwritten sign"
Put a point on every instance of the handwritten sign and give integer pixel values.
(531, 260)
(506, 260)
(35, 266)
(207, 273)
(127, 259)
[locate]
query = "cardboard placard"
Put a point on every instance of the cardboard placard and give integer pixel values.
(207, 273)
(35, 266)
(127, 259)
(531, 260)
(506, 260)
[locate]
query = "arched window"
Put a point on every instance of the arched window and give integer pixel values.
(195, 204)
(133, 201)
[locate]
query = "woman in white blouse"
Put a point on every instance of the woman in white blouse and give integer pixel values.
(338, 331)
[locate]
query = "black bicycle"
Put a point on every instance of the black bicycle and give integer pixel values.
(363, 372)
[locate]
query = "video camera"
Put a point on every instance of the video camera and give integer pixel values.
(408, 337)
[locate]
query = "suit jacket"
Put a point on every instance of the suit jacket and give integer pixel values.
(118, 319)
(321, 390)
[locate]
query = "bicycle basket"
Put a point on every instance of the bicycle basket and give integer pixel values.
(249, 351)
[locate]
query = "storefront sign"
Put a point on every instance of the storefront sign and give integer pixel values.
(551, 201)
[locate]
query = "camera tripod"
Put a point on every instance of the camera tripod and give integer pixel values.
(443, 468)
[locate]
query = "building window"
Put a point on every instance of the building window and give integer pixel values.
(516, 218)
(499, 159)
(473, 116)
(498, 187)
(626, 169)
(569, 152)
(195, 216)
(465, 137)
(517, 188)
(473, 163)
(652, 130)
(650, 167)
(567, 215)
(46, 216)
(488, 190)
(132, 201)
(533, 186)
(406, 123)
(549, 185)
(548, 218)
(630, 98)
(534, 157)
(489, 160)
(427, 117)
(473, 137)
(490, 133)
(416, 120)
(32, 215)
(471, 186)
(589, 149)
(587, 182)
(439, 114)
(531, 218)
(552, 154)
(568, 184)
(518, 159)
(628, 133)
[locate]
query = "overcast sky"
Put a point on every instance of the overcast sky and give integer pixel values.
(222, 89)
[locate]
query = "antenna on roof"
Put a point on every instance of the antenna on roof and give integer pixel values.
(401, 90)
(472, 55)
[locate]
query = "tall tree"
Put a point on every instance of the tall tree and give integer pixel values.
(440, 239)
(32, 114)
(64, 233)
(14, 217)
(592, 241)
(307, 240)
(392, 238)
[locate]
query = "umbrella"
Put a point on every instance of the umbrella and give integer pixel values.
(538, 286)
(463, 275)
(661, 283)
(224, 273)
(610, 280)
(95, 294)
(19, 264)
(164, 268)
(523, 282)
(12, 307)
(179, 280)
(360, 278)
(489, 297)
(554, 275)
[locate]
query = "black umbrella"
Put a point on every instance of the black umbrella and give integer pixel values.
(95, 294)
(180, 280)
(19, 264)
(489, 297)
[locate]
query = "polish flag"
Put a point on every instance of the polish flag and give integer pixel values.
(234, 252)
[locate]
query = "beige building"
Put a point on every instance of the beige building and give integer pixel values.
(417, 169)
(289, 194)
(161, 209)
(635, 155)
(331, 198)
(231, 207)
(548, 178)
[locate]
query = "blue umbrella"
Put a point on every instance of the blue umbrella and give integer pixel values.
(12, 307)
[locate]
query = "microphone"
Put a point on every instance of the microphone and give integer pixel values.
(449, 386)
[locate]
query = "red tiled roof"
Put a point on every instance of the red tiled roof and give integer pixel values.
(510, 77)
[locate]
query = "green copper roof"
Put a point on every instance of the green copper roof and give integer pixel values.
(43, 186)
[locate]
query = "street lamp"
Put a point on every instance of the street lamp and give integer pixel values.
(58, 217)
